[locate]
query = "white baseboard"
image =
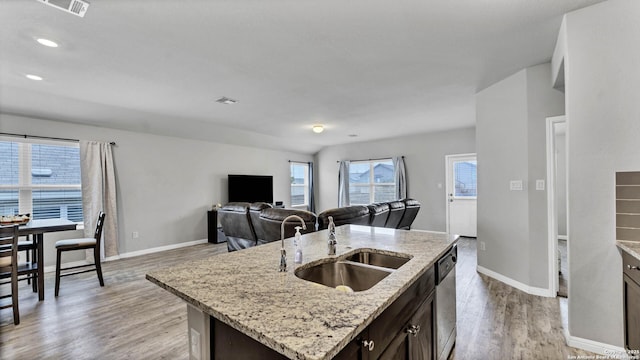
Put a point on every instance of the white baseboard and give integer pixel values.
(52, 268)
(156, 249)
(611, 351)
(532, 290)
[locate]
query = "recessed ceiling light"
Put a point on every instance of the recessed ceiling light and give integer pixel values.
(47, 42)
(34, 77)
(318, 128)
(226, 100)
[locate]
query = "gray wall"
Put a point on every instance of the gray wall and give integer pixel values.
(511, 145)
(165, 184)
(603, 115)
(424, 158)
(542, 102)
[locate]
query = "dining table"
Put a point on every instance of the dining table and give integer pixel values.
(37, 228)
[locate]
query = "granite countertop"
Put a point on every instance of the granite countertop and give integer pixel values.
(298, 318)
(631, 247)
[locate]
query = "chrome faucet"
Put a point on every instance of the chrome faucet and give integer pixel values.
(283, 253)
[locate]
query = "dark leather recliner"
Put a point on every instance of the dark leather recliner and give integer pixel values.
(396, 210)
(378, 214)
(268, 226)
(255, 209)
(357, 215)
(236, 224)
(411, 208)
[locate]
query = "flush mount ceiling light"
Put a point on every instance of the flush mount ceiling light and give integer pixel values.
(226, 100)
(33, 77)
(317, 128)
(47, 42)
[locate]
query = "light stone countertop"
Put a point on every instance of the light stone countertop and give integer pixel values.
(631, 247)
(295, 317)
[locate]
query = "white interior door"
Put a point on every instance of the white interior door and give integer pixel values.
(462, 191)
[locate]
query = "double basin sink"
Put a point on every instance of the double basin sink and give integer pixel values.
(358, 271)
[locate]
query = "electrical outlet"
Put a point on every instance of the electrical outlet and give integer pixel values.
(135, 235)
(195, 344)
(483, 246)
(539, 184)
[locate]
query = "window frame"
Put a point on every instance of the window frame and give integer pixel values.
(372, 183)
(25, 186)
(304, 185)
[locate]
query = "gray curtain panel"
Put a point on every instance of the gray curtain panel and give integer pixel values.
(343, 184)
(400, 174)
(99, 193)
(312, 201)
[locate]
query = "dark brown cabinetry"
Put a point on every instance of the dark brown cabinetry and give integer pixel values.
(631, 277)
(403, 331)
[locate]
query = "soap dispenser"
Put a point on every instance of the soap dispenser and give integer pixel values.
(332, 237)
(298, 245)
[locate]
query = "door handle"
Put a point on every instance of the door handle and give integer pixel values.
(450, 197)
(368, 344)
(413, 330)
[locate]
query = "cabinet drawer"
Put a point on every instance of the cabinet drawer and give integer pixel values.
(631, 267)
(393, 320)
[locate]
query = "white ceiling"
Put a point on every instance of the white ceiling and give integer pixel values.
(372, 68)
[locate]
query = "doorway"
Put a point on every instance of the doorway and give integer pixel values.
(461, 194)
(557, 206)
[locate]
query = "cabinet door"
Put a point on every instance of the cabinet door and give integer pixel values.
(420, 329)
(416, 341)
(354, 350)
(631, 313)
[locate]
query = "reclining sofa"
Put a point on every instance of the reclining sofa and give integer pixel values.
(250, 224)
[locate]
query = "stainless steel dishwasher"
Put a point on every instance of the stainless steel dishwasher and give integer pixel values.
(446, 303)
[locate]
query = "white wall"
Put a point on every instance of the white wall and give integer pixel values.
(602, 82)
(165, 184)
(511, 145)
(424, 158)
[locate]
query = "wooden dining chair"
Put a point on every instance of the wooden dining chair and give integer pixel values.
(81, 244)
(9, 265)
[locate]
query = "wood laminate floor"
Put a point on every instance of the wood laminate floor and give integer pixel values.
(131, 318)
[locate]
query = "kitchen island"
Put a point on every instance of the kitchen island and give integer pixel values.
(245, 293)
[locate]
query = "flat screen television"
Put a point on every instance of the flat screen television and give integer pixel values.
(250, 188)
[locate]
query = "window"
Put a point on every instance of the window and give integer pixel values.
(299, 184)
(466, 178)
(371, 181)
(42, 179)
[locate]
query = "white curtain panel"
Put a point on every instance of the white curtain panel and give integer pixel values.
(343, 184)
(400, 174)
(99, 193)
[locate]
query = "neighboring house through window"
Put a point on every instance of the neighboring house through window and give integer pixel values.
(299, 184)
(371, 181)
(42, 179)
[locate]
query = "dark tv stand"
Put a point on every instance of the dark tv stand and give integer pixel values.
(214, 232)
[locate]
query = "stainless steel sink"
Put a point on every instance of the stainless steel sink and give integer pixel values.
(357, 276)
(373, 258)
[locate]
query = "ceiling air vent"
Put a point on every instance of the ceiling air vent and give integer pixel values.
(75, 7)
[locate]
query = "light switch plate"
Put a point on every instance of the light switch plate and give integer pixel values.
(515, 185)
(539, 184)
